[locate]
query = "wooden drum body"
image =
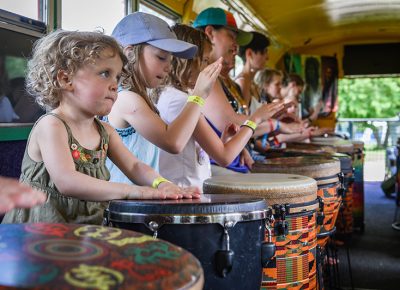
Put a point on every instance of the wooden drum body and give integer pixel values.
(66, 256)
(293, 204)
(325, 171)
(225, 232)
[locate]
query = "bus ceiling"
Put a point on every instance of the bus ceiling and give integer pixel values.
(321, 27)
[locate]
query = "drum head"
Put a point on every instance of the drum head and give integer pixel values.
(66, 256)
(341, 145)
(275, 188)
(322, 169)
(207, 204)
(309, 148)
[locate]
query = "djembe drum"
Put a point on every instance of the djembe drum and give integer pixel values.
(225, 232)
(293, 202)
(66, 256)
(325, 171)
(331, 145)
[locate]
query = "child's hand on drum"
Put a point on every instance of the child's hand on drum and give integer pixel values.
(191, 192)
(171, 190)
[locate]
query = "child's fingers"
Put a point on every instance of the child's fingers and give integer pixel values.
(216, 72)
(214, 66)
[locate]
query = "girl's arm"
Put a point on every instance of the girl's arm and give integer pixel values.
(139, 172)
(173, 137)
(222, 153)
(51, 138)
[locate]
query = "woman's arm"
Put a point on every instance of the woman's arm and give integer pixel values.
(222, 153)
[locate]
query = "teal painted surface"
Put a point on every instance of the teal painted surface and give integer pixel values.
(14, 133)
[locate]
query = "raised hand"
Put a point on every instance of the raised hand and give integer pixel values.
(229, 131)
(206, 79)
(267, 111)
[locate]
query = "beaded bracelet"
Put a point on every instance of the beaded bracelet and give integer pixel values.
(156, 182)
(252, 125)
(197, 100)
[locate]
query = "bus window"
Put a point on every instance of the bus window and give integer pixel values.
(91, 15)
(27, 8)
(16, 106)
(160, 12)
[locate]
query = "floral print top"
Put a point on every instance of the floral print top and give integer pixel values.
(59, 207)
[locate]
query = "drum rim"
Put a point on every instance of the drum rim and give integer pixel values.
(162, 219)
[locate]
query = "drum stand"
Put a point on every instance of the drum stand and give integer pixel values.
(329, 263)
(396, 222)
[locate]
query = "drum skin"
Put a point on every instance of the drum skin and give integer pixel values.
(66, 256)
(323, 145)
(325, 171)
(203, 240)
(294, 264)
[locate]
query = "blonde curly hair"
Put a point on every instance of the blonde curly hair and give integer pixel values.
(68, 51)
(182, 68)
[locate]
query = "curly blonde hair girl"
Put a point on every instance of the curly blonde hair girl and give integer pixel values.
(68, 51)
(182, 68)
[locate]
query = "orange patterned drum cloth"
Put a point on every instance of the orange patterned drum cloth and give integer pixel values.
(325, 171)
(293, 203)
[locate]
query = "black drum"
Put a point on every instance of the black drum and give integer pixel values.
(225, 232)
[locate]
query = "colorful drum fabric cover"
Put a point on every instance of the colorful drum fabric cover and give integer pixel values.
(66, 256)
(344, 222)
(199, 225)
(294, 265)
(325, 171)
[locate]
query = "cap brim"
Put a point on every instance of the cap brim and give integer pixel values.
(177, 47)
(243, 37)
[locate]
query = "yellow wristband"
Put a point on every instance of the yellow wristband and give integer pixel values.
(252, 125)
(156, 182)
(197, 100)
